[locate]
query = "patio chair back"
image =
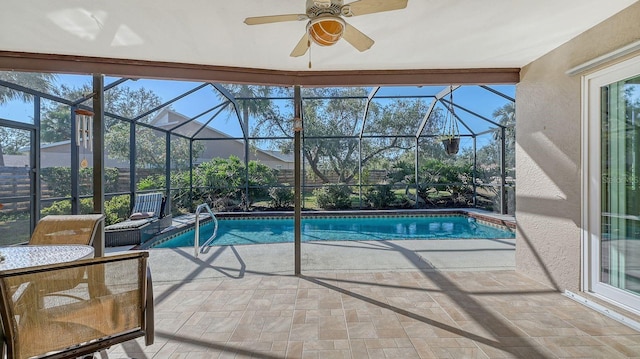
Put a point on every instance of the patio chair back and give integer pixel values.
(66, 229)
(114, 306)
(148, 202)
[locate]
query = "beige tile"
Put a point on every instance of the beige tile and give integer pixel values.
(333, 334)
(628, 345)
(274, 337)
(334, 354)
(391, 333)
(377, 315)
(310, 345)
(380, 343)
(246, 332)
(278, 324)
(404, 353)
(361, 330)
(294, 349)
(302, 332)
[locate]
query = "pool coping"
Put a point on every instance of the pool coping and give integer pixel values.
(182, 223)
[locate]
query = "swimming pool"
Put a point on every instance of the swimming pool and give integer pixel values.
(355, 228)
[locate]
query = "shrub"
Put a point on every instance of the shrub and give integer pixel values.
(58, 179)
(447, 177)
(281, 197)
(379, 196)
(260, 177)
(334, 196)
(152, 182)
(64, 207)
(117, 209)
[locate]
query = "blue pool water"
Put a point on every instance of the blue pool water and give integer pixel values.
(279, 230)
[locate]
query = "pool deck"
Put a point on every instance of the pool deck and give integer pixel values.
(366, 299)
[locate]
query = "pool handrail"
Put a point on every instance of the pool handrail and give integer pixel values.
(196, 242)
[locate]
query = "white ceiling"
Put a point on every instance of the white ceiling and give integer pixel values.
(428, 34)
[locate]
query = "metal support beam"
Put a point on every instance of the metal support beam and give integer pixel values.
(503, 174)
(247, 200)
(464, 124)
(447, 90)
(98, 159)
(36, 187)
(360, 171)
(475, 114)
(84, 98)
(167, 174)
(475, 171)
(498, 93)
(366, 109)
(426, 117)
(204, 125)
(75, 165)
(297, 225)
(415, 169)
(166, 103)
(35, 93)
(191, 176)
(230, 97)
(132, 164)
(172, 129)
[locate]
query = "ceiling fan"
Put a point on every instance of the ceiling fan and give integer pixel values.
(326, 24)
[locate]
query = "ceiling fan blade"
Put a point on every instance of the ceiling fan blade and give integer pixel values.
(257, 20)
(302, 46)
(363, 7)
(357, 39)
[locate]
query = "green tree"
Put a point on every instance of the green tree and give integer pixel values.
(55, 124)
(489, 155)
(124, 102)
(119, 100)
(38, 81)
(506, 116)
(220, 181)
(12, 141)
(330, 113)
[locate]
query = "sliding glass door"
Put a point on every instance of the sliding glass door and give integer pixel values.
(614, 184)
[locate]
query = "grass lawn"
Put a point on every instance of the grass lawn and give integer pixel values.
(15, 229)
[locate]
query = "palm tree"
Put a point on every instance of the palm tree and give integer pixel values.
(37, 81)
(506, 116)
(253, 102)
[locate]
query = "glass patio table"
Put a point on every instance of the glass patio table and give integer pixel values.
(36, 255)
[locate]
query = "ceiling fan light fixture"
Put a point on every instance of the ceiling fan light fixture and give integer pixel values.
(326, 30)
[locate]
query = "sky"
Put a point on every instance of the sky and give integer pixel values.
(473, 98)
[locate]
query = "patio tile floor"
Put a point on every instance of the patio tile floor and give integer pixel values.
(385, 314)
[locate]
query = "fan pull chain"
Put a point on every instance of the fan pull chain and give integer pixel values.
(309, 46)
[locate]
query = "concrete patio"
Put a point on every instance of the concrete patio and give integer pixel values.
(390, 299)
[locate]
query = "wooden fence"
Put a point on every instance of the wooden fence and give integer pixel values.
(14, 188)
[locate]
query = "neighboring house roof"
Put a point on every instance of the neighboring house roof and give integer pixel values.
(166, 118)
(16, 161)
(285, 157)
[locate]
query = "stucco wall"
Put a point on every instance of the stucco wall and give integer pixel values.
(548, 152)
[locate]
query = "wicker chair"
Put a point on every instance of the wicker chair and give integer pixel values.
(66, 229)
(114, 305)
(146, 220)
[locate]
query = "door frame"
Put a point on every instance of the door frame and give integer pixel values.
(34, 165)
(591, 179)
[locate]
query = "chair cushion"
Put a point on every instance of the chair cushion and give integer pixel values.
(141, 215)
(128, 224)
